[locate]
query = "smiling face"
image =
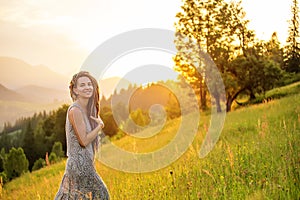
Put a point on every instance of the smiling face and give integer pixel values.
(84, 88)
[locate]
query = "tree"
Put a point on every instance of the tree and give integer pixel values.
(2, 159)
(292, 48)
(16, 163)
(59, 126)
(140, 117)
(110, 126)
(57, 149)
(29, 145)
(197, 27)
(41, 141)
(219, 29)
(172, 108)
(273, 51)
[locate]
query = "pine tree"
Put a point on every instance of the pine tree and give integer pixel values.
(29, 146)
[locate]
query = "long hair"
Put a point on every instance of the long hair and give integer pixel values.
(93, 107)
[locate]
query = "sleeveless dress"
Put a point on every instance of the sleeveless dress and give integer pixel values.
(80, 180)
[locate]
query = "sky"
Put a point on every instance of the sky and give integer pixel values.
(61, 34)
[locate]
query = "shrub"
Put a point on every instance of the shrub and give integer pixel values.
(57, 149)
(16, 163)
(53, 158)
(3, 176)
(38, 164)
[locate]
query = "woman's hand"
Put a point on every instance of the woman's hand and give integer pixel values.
(98, 121)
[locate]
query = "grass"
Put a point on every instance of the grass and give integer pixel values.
(256, 157)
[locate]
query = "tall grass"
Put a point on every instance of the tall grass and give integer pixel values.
(256, 157)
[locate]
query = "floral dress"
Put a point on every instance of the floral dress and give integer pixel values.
(80, 180)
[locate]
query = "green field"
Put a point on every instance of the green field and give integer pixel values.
(256, 157)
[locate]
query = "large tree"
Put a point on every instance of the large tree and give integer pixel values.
(292, 49)
(221, 30)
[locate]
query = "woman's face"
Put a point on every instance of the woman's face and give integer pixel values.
(84, 87)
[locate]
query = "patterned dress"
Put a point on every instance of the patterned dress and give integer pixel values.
(80, 180)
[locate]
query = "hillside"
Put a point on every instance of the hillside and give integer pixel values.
(40, 94)
(25, 101)
(8, 95)
(26, 89)
(255, 158)
(16, 73)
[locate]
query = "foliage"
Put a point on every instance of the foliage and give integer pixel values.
(221, 30)
(257, 75)
(53, 158)
(28, 145)
(110, 127)
(4, 179)
(57, 149)
(2, 159)
(58, 131)
(136, 121)
(16, 163)
(38, 164)
(292, 48)
(289, 78)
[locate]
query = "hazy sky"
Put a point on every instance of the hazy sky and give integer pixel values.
(61, 34)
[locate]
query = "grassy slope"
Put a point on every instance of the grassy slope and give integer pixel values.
(256, 157)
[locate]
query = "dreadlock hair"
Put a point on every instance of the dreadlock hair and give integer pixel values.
(93, 107)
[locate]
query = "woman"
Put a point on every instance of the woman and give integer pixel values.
(83, 125)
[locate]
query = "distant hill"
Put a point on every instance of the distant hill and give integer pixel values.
(27, 100)
(41, 94)
(9, 95)
(26, 89)
(16, 73)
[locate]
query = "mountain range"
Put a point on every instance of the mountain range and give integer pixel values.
(26, 89)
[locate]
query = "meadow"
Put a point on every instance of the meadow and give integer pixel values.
(256, 157)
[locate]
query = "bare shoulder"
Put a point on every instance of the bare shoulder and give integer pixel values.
(75, 112)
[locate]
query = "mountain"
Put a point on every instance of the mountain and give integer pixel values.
(33, 94)
(16, 73)
(9, 95)
(26, 101)
(26, 89)
(43, 95)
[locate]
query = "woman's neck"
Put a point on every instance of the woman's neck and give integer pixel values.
(83, 103)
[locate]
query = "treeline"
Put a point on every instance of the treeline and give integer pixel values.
(26, 144)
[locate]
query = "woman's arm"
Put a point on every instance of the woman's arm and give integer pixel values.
(77, 121)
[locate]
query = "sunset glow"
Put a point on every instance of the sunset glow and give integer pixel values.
(62, 36)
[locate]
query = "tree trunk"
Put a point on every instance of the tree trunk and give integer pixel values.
(203, 103)
(217, 98)
(228, 104)
(230, 99)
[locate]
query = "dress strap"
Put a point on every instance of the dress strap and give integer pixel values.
(76, 105)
